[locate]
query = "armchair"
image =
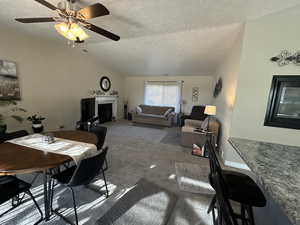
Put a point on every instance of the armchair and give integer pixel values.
(197, 114)
(190, 136)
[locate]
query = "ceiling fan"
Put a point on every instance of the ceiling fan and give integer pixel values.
(69, 20)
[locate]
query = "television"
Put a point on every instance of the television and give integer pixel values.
(87, 109)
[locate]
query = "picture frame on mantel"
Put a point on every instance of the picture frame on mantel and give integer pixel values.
(283, 109)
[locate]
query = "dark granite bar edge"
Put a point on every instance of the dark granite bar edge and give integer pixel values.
(259, 179)
(249, 148)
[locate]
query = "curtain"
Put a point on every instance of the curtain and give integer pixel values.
(163, 93)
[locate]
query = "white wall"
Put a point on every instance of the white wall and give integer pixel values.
(53, 78)
(134, 89)
(228, 71)
(264, 38)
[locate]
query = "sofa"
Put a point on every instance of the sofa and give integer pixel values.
(155, 115)
(189, 136)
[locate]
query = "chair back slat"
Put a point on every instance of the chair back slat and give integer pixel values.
(214, 163)
(88, 169)
(215, 166)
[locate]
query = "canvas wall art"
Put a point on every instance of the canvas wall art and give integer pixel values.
(195, 94)
(9, 82)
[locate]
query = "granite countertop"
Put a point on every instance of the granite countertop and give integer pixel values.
(277, 168)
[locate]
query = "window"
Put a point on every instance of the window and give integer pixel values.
(163, 93)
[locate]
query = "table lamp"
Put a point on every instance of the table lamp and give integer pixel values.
(210, 110)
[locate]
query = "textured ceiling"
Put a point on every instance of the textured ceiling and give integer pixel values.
(176, 37)
(194, 52)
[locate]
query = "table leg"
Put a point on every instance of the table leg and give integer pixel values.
(47, 196)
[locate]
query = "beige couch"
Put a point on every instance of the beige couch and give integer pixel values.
(156, 115)
(189, 136)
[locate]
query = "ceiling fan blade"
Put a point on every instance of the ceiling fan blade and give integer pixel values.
(47, 4)
(93, 11)
(103, 32)
(35, 20)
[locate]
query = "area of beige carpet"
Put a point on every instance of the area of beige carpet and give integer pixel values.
(144, 204)
(193, 178)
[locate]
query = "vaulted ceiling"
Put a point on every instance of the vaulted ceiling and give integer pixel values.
(175, 37)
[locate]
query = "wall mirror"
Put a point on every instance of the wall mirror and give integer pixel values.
(105, 83)
(284, 102)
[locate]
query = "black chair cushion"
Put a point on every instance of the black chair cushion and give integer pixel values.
(243, 189)
(11, 186)
(65, 176)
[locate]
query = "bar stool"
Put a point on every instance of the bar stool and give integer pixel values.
(226, 214)
(237, 187)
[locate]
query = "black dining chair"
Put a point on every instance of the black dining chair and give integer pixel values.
(92, 125)
(82, 174)
(239, 187)
(12, 135)
(10, 187)
(100, 132)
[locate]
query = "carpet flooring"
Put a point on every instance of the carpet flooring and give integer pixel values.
(144, 204)
(135, 153)
(193, 178)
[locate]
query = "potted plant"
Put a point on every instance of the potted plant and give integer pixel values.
(11, 111)
(37, 125)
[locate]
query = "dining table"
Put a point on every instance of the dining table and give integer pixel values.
(17, 159)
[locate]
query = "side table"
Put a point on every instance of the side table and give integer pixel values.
(204, 146)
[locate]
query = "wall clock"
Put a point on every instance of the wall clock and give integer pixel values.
(105, 83)
(218, 88)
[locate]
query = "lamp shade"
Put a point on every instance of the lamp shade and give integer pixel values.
(71, 31)
(210, 110)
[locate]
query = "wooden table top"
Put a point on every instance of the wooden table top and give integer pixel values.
(17, 159)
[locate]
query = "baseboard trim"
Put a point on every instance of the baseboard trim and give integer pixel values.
(236, 165)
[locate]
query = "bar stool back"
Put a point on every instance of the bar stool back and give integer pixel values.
(225, 211)
(237, 187)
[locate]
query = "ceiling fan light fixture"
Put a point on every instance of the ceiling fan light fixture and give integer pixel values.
(71, 31)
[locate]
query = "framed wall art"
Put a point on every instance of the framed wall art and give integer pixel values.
(283, 108)
(9, 81)
(195, 94)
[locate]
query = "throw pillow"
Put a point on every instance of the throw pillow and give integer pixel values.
(138, 110)
(167, 112)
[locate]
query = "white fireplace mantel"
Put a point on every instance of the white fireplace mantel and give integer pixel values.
(106, 99)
